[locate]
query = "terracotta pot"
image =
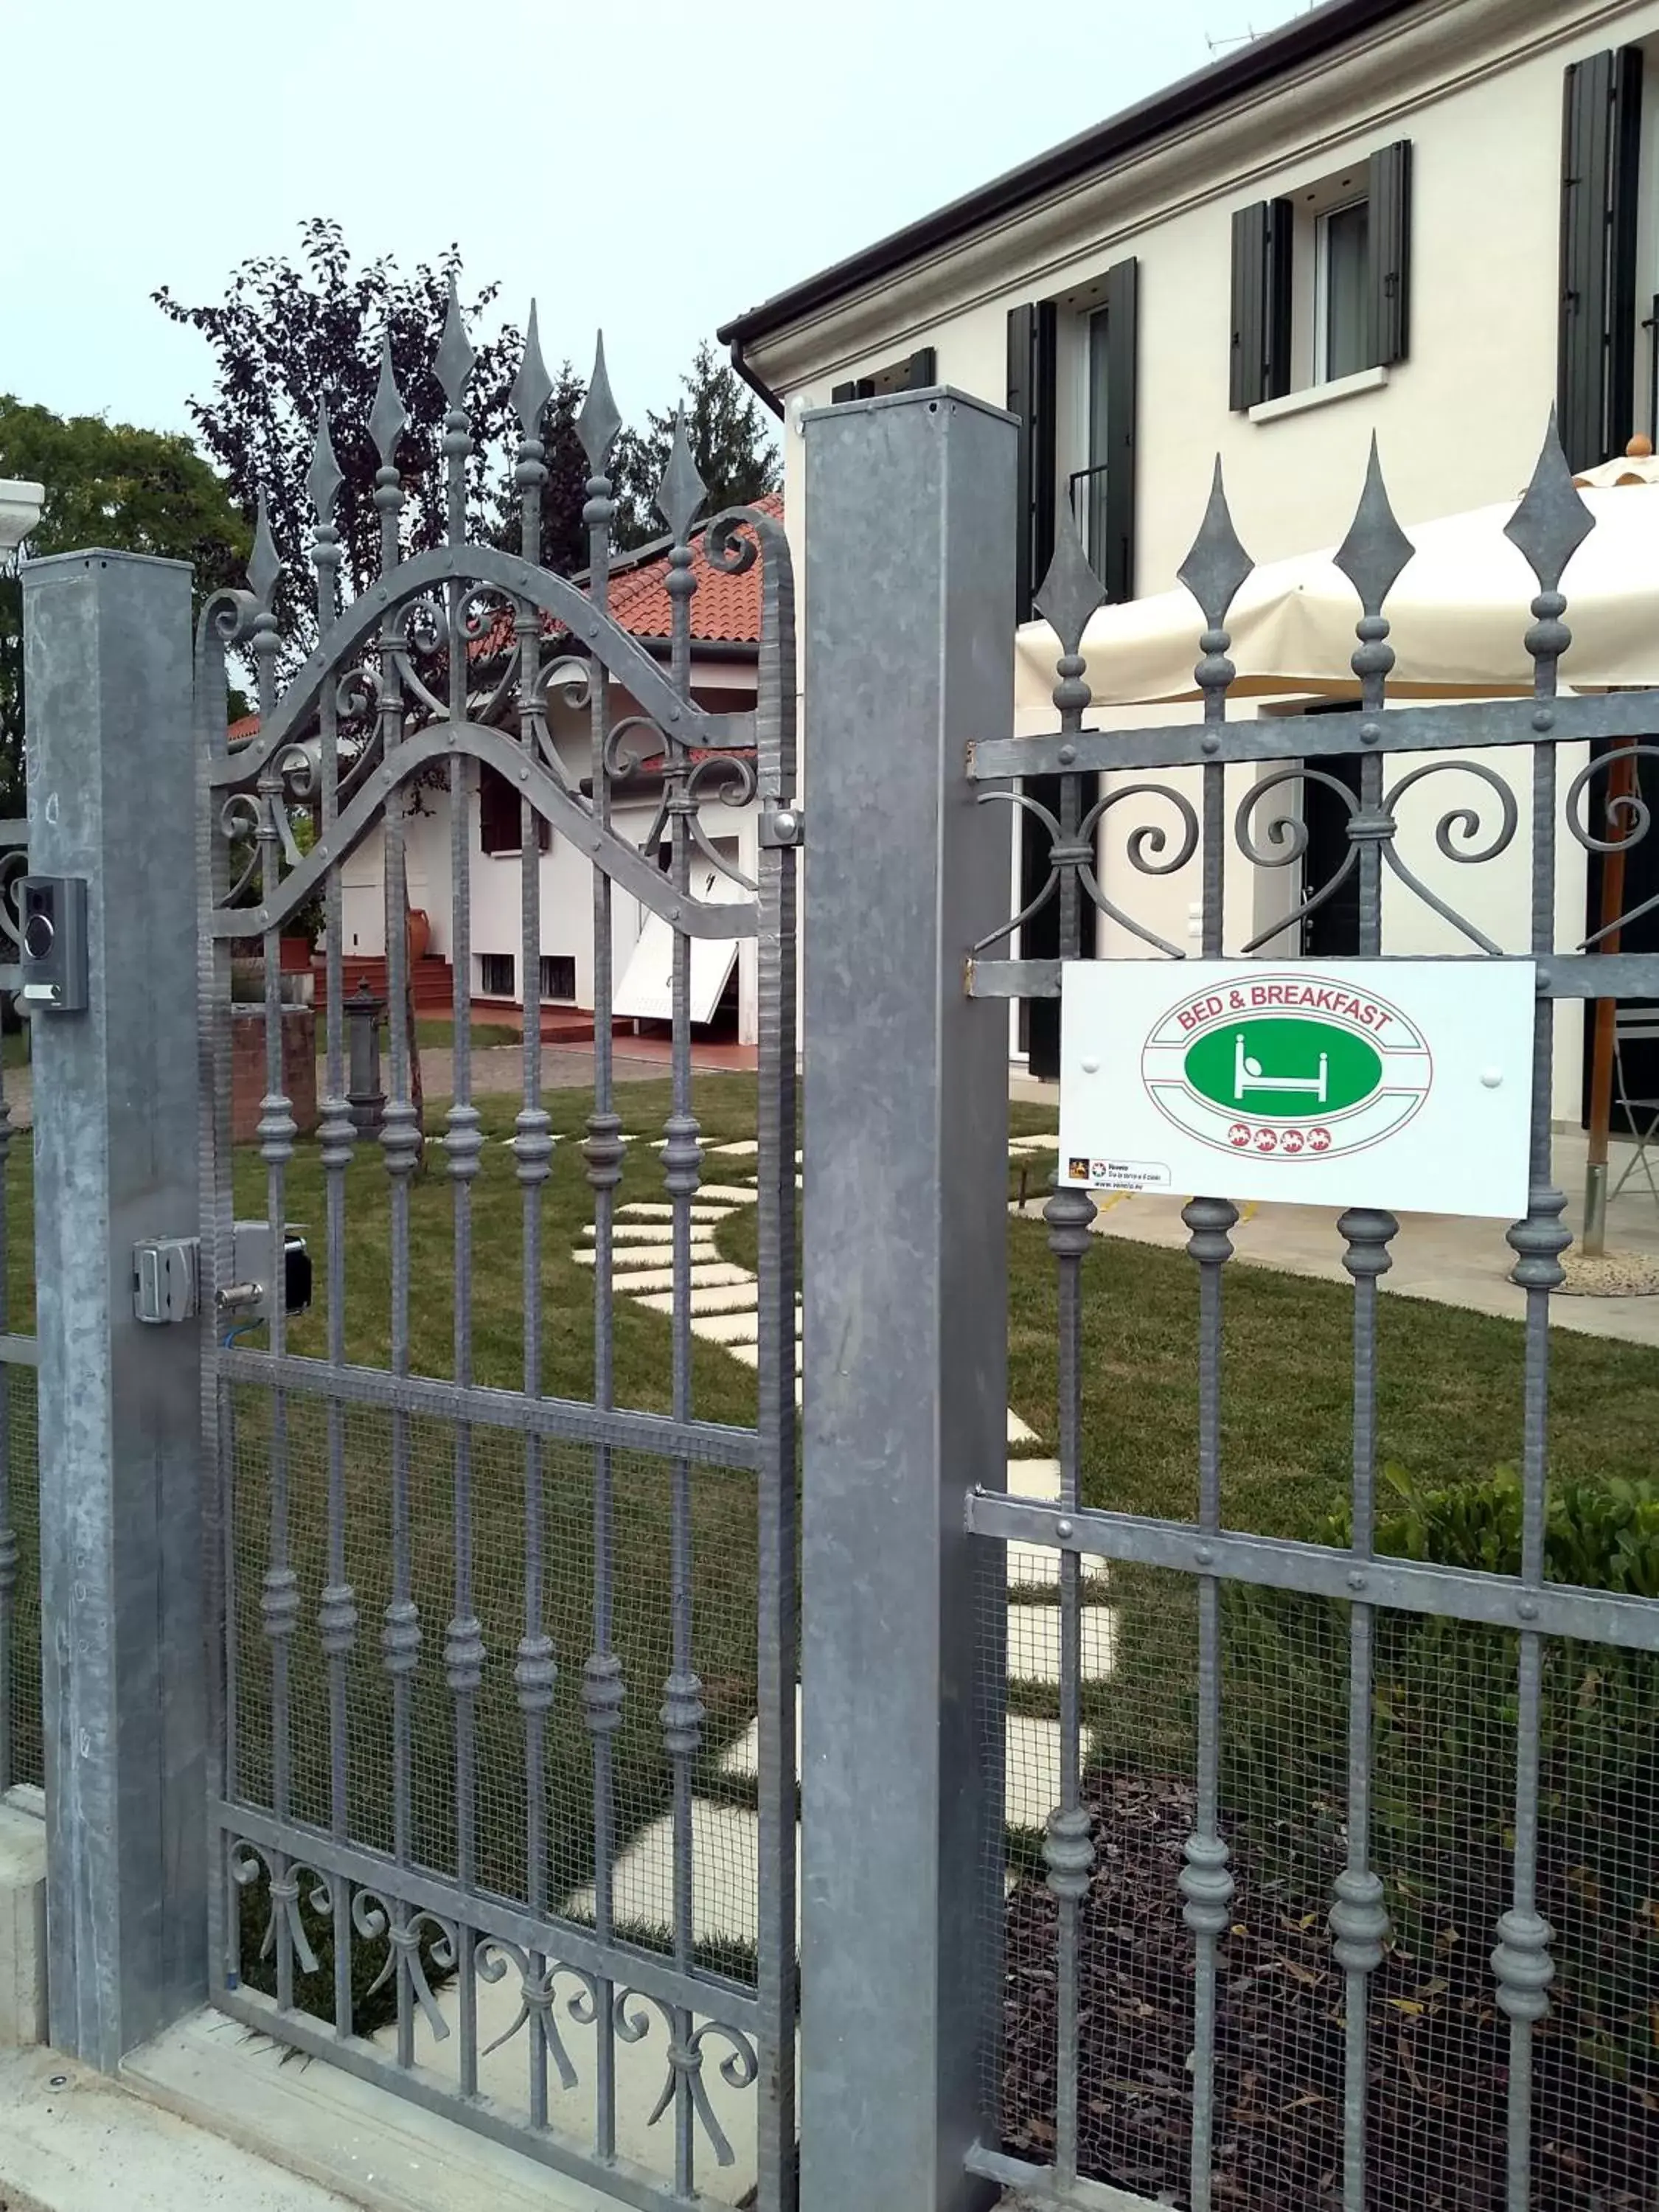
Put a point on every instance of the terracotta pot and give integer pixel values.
(420, 934)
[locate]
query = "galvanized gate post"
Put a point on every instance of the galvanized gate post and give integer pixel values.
(112, 799)
(910, 606)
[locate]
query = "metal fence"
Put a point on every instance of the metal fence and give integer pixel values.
(1316, 1871)
(503, 1764)
(1250, 1850)
(20, 1760)
(1342, 1894)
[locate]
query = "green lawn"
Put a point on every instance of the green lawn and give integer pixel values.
(441, 1033)
(1450, 1386)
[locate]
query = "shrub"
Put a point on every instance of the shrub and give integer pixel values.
(1598, 1534)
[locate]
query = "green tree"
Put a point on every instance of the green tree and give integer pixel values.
(290, 333)
(731, 444)
(109, 484)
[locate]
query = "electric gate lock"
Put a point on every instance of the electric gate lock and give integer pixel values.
(262, 1277)
(165, 1278)
(53, 911)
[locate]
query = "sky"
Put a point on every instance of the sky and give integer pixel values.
(651, 166)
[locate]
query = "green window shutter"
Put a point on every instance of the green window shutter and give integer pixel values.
(1117, 556)
(1390, 198)
(1263, 301)
(1032, 352)
(1601, 149)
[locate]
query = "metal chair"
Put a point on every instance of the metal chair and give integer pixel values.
(1639, 1025)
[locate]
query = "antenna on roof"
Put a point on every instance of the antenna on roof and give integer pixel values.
(1250, 34)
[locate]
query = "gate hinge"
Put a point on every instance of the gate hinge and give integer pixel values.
(783, 826)
(167, 1274)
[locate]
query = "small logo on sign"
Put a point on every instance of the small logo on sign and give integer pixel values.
(1078, 1170)
(1248, 1069)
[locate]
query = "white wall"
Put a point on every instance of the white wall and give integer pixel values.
(1477, 87)
(565, 877)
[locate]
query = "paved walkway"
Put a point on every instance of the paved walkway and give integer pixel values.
(1447, 1258)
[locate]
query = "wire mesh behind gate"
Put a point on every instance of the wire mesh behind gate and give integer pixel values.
(505, 1697)
(1331, 1873)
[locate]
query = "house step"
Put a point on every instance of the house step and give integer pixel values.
(433, 980)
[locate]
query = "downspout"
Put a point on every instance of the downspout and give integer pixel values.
(761, 390)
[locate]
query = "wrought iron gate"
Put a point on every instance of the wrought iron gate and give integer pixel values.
(483, 1622)
(1490, 1722)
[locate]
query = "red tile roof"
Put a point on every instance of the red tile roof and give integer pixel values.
(727, 610)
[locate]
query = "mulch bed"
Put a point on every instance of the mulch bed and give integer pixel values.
(1439, 2048)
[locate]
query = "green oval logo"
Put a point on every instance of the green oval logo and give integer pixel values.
(1284, 1067)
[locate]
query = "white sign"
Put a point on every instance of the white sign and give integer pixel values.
(1404, 1083)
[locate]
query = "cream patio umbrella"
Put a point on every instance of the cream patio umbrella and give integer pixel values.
(1458, 616)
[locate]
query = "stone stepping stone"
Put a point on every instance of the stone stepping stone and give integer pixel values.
(725, 1876)
(735, 1298)
(706, 1274)
(653, 1232)
(639, 1209)
(740, 1326)
(731, 1193)
(1018, 1433)
(750, 1355)
(729, 1328)
(1031, 1770)
(745, 1148)
(630, 1259)
(1034, 1145)
(1034, 1644)
(1032, 1566)
(1033, 1477)
(742, 1758)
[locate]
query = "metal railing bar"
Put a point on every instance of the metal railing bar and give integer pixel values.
(1470, 725)
(708, 1443)
(1560, 975)
(1318, 1570)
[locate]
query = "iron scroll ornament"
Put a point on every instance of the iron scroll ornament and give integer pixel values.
(280, 764)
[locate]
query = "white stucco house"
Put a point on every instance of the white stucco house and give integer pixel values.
(1427, 219)
(726, 614)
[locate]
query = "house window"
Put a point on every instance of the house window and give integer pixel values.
(1071, 389)
(1072, 370)
(1091, 483)
(558, 976)
(1341, 273)
(1322, 280)
(497, 975)
(499, 830)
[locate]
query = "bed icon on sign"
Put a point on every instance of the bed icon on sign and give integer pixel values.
(1248, 1076)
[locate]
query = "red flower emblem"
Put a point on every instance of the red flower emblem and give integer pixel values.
(1319, 1140)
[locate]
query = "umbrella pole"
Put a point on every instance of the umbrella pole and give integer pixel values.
(1621, 783)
